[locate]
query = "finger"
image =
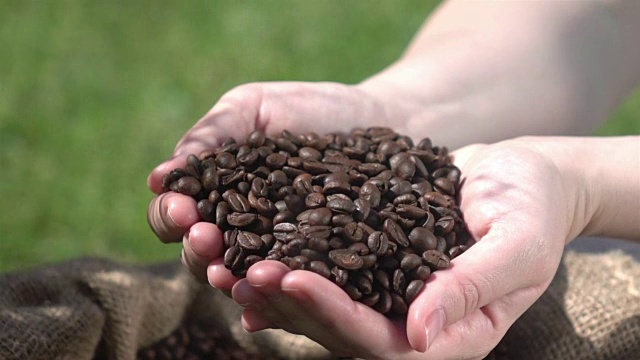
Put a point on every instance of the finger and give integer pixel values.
(170, 215)
(200, 246)
(253, 320)
(325, 313)
(470, 283)
(219, 276)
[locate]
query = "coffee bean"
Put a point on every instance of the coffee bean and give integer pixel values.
(299, 262)
(384, 303)
(369, 260)
(233, 258)
(336, 187)
(410, 262)
(320, 268)
(395, 232)
(241, 219)
(295, 204)
(222, 211)
(398, 281)
(352, 291)
(344, 206)
(188, 185)
(371, 299)
(265, 207)
(238, 203)
(401, 187)
(283, 192)
(445, 186)
(315, 200)
(230, 237)
(320, 216)
(405, 199)
(283, 216)
(318, 244)
(370, 192)
(360, 248)
(363, 284)
(249, 241)
(413, 289)
(439, 199)
(346, 258)
(436, 260)
(206, 210)
(353, 233)
(398, 304)
(275, 161)
(378, 243)
(293, 247)
(277, 179)
(456, 251)
(341, 220)
(405, 169)
(317, 231)
(444, 225)
(422, 239)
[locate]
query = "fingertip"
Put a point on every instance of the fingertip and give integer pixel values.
(205, 239)
(266, 273)
(181, 210)
(252, 321)
(219, 276)
(170, 215)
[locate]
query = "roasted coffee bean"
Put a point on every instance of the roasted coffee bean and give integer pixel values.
(356, 177)
(293, 247)
(378, 243)
(413, 289)
(363, 284)
(261, 172)
(456, 251)
(265, 207)
(275, 161)
(268, 240)
(421, 188)
(309, 153)
(318, 244)
(286, 144)
(285, 227)
(283, 192)
(388, 148)
(277, 179)
(299, 262)
(398, 304)
(302, 185)
(251, 259)
(452, 239)
(230, 237)
(241, 219)
(336, 243)
(336, 187)
(315, 200)
(295, 204)
(210, 179)
(344, 206)
(259, 187)
(345, 258)
(235, 176)
(363, 207)
(395, 232)
(226, 160)
(444, 186)
(439, 199)
(384, 303)
(371, 299)
(320, 216)
(410, 262)
(444, 225)
(188, 185)
(353, 233)
(234, 258)
(360, 248)
(249, 158)
(405, 169)
(320, 268)
(262, 225)
(314, 167)
(206, 210)
(339, 275)
(222, 211)
(316, 231)
(314, 255)
(410, 211)
(352, 291)
(283, 216)
(422, 272)
(436, 260)
(243, 187)
(341, 220)
(422, 239)
(295, 162)
(405, 199)
(256, 138)
(249, 241)
(398, 281)
(371, 168)
(400, 188)
(369, 260)
(238, 203)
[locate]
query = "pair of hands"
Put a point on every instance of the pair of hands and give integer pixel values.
(517, 205)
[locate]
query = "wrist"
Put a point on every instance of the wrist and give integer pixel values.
(601, 181)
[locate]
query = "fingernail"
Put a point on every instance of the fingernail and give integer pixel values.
(434, 325)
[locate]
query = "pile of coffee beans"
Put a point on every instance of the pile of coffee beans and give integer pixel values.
(371, 211)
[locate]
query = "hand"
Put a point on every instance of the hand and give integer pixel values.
(520, 208)
(272, 107)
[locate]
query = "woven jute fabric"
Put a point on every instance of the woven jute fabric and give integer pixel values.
(99, 309)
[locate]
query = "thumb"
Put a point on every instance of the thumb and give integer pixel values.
(492, 268)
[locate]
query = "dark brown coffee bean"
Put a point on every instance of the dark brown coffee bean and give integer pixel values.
(353, 233)
(226, 160)
(343, 206)
(249, 241)
(210, 179)
(444, 225)
(292, 172)
(360, 248)
(285, 227)
(286, 144)
(237, 175)
(283, 192)
(363, 284)
(378, 134)
(336, 243)
(430, 222)
(378, 243)
(243, 187)
(299, 262)
(436, 260)
(356, 177)
(341, 220)
(249, 158)
(188, 185)
(412, 291)
(405, 199)
(410, 211)
(302, 185)
(295, 162)
(336, 187)
(406, 169)
(230, 237)
(438, 199)
(445, 186)
(317, 231)
(206, 210)
(456, 251)
(256, 138)
(395, 232)
(422, 239)
(398, 305)
(401, 187)
(315, 200)
(259, 187)
(369, 260)
(262, 172)
(314, 255)
(241, 219)
(422, 272)
(238, 203)
(421, 188)
(442, 244)
(339, 275)
(275, 161)
(384, 303)
(283, 216)
(262, 225)
(371, 299)
(319, 244)
(314, 167)
(388, 148)
(277, 179)
(234, 258)
(345, 258)
(265, 207)
(308, 153)
(320, 216)
(269, 240)
(320, 268)
(451, 239)
(371, 168)
(222, 211)
(410, 262)
(352, 291)
(398, 281)
(293, 247)
(363, 207)
(370, 192)
(295, 204)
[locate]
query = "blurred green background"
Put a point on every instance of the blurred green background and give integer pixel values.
(94, 94)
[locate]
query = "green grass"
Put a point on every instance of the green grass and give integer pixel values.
(94, 94)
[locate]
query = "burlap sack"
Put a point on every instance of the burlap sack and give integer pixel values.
(95, 308)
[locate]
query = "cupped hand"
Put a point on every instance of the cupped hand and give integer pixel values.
(271, 107)
(518, 205)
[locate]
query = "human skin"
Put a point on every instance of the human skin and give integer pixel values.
(464, 79)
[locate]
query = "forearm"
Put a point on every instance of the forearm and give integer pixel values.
(602, 183)
(483, 71)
